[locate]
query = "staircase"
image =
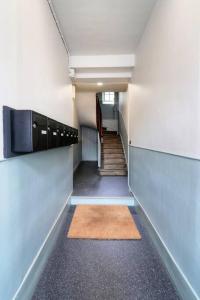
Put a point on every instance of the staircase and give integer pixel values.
(113, 159)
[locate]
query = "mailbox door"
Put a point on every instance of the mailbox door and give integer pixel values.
(76, 137)
(60, 135)
(52, 134)
(39, 132)
(71, 136)
(65, 137)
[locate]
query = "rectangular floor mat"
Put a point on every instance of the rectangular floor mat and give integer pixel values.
(103, 222)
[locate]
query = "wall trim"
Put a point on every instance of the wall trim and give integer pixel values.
(27, 287)
(177, 276)
(164, 152)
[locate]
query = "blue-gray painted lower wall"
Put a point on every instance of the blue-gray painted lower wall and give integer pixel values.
(124, 135)
(89, 144)
(77, 154)
(168, 189)
(33, 190)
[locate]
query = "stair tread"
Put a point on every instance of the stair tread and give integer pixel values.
(113, 172)
(105, 142)
(114, 167)
(112, 155)
(114, 161)
(113, 151)
(113, 146)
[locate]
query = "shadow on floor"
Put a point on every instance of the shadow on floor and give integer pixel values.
(88, 182)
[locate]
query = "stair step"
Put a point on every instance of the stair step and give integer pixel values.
(112, 155)
(112, 146)
(110, 141)
(114, 161)
(114, 167)
(110, 133)
(120, 150)
(117, 138)
(113, 172)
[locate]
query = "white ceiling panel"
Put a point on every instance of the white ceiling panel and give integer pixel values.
(102, 27)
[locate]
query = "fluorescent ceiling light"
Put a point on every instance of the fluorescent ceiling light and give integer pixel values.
(99, 83)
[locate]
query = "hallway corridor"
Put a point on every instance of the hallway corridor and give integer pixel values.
(88, 182)
(100, 150)
(104, 270)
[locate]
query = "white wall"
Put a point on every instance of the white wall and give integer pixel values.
(8, 58)
(33, 73)
(86, 108)
(165, 107)
(123, 107)
(111, 125)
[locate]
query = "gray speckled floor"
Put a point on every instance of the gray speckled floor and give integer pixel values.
(104, 270)
(88, 182)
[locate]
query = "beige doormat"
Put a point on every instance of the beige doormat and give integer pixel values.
(112, 222)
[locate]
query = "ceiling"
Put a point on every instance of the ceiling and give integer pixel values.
(97, 27)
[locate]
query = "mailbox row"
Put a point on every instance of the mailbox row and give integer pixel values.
(33, 132)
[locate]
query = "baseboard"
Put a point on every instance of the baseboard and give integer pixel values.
(180, 281)
(30, 280)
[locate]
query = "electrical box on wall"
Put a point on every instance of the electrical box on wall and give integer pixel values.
(26, 131)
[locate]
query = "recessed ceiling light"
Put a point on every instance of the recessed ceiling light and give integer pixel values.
(99, 83)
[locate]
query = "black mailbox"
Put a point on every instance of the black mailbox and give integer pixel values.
(66, 135)
(76, 135)
(71, 135)
(52, 133)
(28, 131)
(61, 133)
